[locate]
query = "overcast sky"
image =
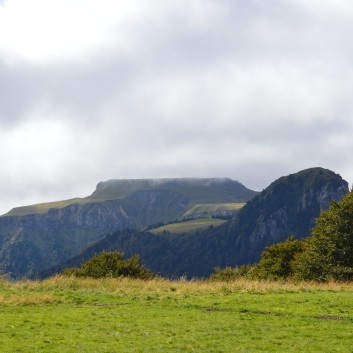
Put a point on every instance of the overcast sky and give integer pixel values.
(96, 90)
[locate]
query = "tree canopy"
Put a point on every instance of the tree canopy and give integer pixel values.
(277, 261)
(330, 251)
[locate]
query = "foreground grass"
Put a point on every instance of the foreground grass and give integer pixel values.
(85, 315)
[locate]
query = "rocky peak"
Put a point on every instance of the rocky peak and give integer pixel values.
(291, 204)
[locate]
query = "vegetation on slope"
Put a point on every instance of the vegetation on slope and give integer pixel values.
(210, 209)
(262, 222)
(326, 255)
(192, 190)
(188, 226)
(195, 190)
(30, 243)
(288, 207)
(44, 207)
(329, 251)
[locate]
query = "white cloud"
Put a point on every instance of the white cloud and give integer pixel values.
(41, 30)
(120, 89)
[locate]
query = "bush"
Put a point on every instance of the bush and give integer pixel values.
(111, 264)
(277, 261)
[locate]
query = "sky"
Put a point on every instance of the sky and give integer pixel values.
(110, 89)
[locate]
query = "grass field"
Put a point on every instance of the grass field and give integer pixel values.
(42, 208)
(84, 315)
(213, 207)
(188, 226)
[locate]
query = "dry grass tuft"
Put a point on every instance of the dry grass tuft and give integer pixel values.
(36, 299)
(53, 289)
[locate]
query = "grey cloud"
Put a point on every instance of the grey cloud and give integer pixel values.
(252, 91)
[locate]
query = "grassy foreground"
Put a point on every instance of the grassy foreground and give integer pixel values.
(108, 315)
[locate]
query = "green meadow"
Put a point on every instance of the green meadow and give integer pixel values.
(213, 207)
(189, 226)
(65, 314)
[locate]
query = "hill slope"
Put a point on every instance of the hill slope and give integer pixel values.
(39, 236)
(193, 191)
(289, 206)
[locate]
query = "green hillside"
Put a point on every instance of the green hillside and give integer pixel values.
(44, 207)
(193, 191)
(210, 208)
(36, 237)
(196, 190)
(289, 206)
(188, 226)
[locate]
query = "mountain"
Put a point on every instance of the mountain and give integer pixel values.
(289, 206)
(36, 237)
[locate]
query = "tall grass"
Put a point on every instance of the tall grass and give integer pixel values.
(68, 314)
(164, 286)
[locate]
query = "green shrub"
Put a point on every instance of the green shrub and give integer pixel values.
(111, 264)
(277, 261)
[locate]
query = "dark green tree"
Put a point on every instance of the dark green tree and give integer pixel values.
(330, 251)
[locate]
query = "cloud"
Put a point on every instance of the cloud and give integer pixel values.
(116, 89)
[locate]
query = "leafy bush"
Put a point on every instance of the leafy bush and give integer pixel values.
(111, 264)
(277, 261)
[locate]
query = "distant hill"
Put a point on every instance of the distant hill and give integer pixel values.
(39, 236)
(193, 191)
(289, 206)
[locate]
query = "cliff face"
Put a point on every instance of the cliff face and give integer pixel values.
(289, 206)
(32, 240)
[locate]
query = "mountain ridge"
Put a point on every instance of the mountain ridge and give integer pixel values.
(117, 189)
(31, 241)
(287, 207)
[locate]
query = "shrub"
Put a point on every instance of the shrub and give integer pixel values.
(111, 264)
(277, 261)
